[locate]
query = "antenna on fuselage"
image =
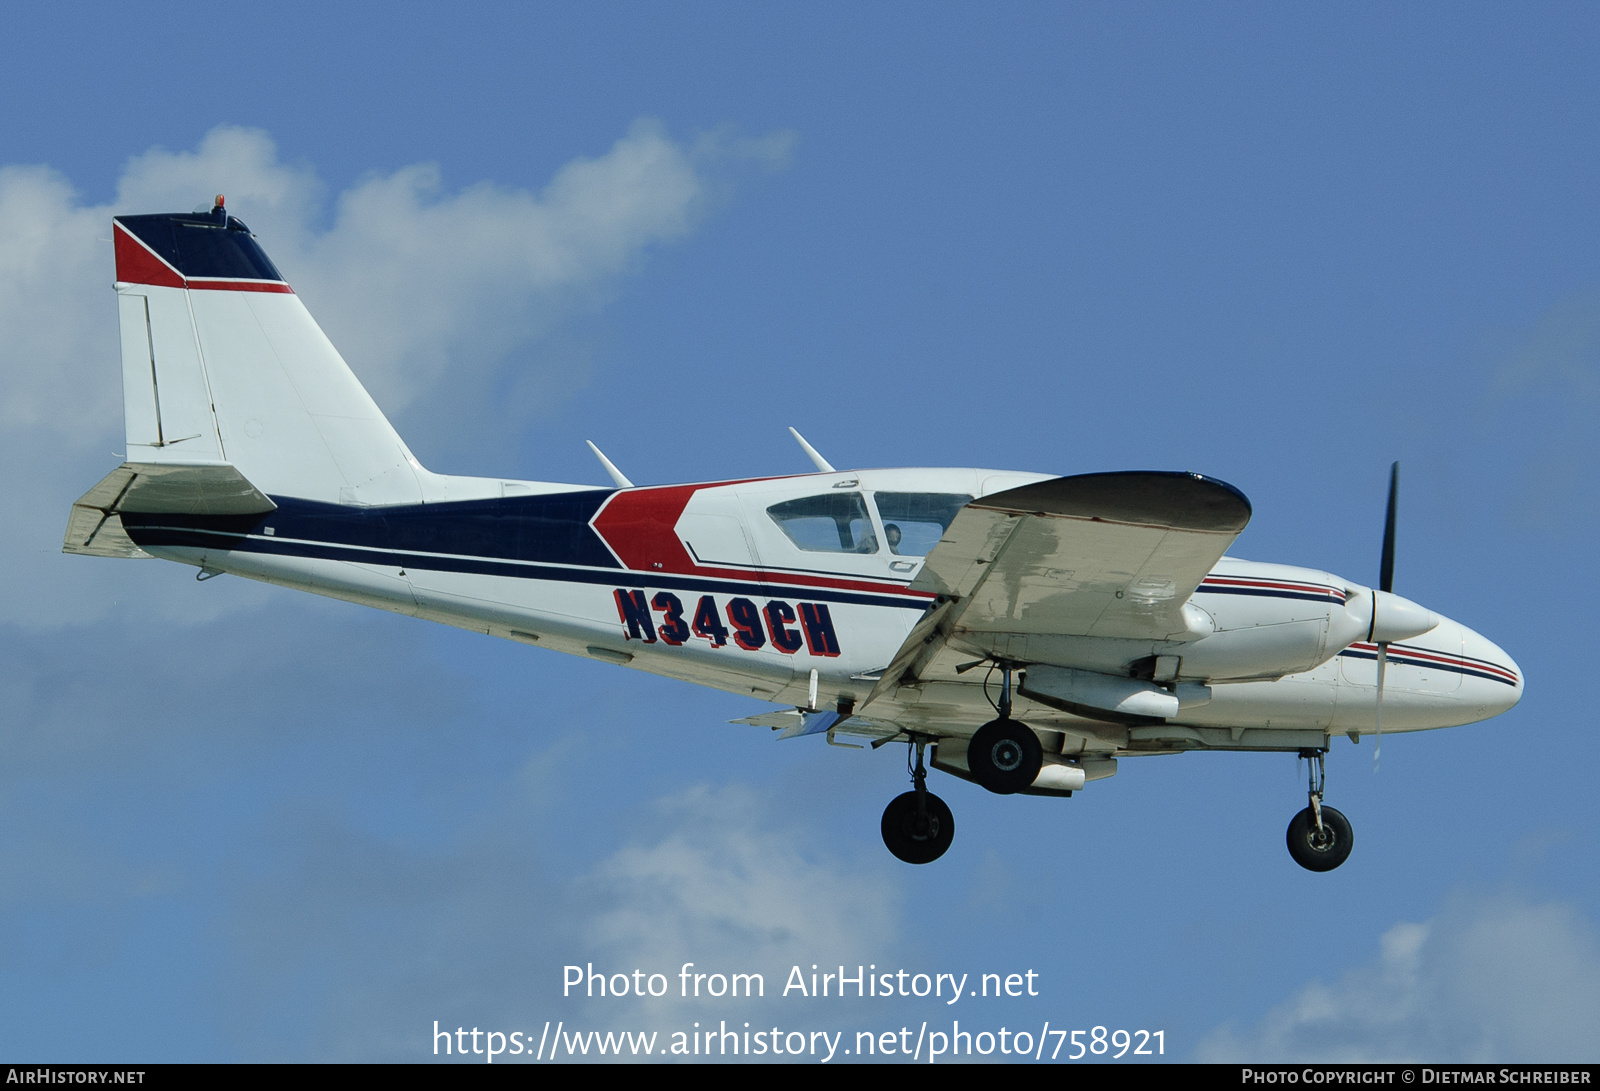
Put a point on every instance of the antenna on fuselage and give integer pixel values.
(611, 468)
(811, 452)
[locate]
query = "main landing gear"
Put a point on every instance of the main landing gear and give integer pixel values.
(917, 826)
(1320, 837)
(1004, 754)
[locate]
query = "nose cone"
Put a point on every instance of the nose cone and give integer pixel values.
(1491, 680)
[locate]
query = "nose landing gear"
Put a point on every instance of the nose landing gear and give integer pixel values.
(917, 826)
(1320, 838)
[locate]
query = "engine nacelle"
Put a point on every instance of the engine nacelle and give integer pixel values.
(1273, 620)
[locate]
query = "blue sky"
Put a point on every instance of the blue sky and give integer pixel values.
(1282, 246)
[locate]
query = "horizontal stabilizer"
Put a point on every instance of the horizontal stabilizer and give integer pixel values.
(203, 488)
(794, 723)
(784, 718)
(812, 723)
(97, 533)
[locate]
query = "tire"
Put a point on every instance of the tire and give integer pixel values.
(904, 838)
(1004, 756)
(1327, 854)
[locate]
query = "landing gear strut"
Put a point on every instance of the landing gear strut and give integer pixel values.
(917, 826)
(1004, 755)
(1319, 837)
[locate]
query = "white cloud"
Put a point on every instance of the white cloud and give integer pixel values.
(720, 880)
(1491, 978)
(435, 296)
(241, 163)
(58, 377)
(477, 930)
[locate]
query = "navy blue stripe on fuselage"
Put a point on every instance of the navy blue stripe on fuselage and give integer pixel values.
(549, 529)
(1456, 664)
(157, 536)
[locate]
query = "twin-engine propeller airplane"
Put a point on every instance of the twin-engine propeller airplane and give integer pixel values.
(1019, 630)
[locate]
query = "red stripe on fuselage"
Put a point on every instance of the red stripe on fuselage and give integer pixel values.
(1252, 581)
(640, 527)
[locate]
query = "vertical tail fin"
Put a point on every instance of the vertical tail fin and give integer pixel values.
(222, 363)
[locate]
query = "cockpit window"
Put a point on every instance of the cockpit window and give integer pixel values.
(913, 522)
(831, 523)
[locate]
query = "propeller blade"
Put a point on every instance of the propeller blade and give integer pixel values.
(1377, 714)
(1385, 583)
(1386, 568)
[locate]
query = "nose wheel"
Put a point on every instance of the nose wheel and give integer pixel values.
(1320, 838)
(917, 826)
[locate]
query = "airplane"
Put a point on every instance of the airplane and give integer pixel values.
(1023, 631)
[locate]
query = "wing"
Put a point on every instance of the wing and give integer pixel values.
(1112, 555)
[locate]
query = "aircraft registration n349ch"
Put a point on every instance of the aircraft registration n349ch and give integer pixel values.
(1024, 631)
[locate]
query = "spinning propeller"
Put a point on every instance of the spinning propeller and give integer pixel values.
(1393, 618)
(1385, 584)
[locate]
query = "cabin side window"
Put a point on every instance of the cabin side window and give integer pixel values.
(831, 523)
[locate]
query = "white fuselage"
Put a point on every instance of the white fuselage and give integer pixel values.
(706, 584)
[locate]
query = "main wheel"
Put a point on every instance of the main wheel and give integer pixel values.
(1324, 852)
(1005, 756)
(914, 838)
